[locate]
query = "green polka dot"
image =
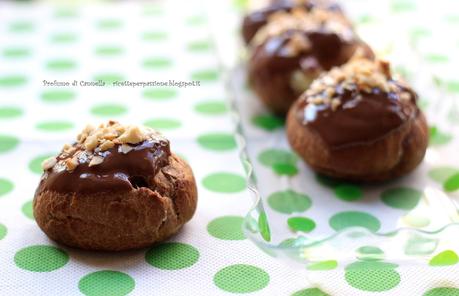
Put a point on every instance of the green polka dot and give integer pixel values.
(344, 220)
(452, 184)
(154, 36)
(54, 126)
(27, 209)
(21, 27)
(453, 18)
(196, 20)
(263, 227)
(106, 282)
(66, 13)
(163, 123)
(445, 258)
(35, 164)
(348, 192)
(205, 75)
(3, 231)
(437, 137)
(403, 6)
(224, 182)
(109, 24)
(227, 228)
(172, 256)
(442, 291)
(370, 253)
(437, 58)
(285, 169)
(6, 186)
(323, 265)
(160, 94)
(58, 96)
(157, 63)
(289, 202)
(268, 122)
(270, 157)
(109, 78)
(62, 38)
(441, 174)
(108, 110)
(242, 5)
(7, 143)
(41, 258)
(281, 161)
(310, 292)
(366, 19)
(419, 32)
(403, 198)
(109, 50)
(453, 86)
(372, 276)
(211, 107)
(217, 141)
(302, 224)
(152, 10)
(12, 81)
(61, 65)
(199, 46)
(241, 278)
(16, 52)
(10, 112)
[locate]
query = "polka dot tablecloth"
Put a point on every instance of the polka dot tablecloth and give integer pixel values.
(118, 42)
(165, 41)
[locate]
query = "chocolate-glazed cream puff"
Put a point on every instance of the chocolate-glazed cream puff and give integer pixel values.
(295, 48)
(256, 19)
(357, 122)
(116, 188)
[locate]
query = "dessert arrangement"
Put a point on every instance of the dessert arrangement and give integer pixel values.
(357, 123)
(341, 157)
(117, 187)
(350, 118)
(293, 48)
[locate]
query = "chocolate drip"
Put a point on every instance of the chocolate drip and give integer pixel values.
(118, 172)
(326, 51)
(361, 118)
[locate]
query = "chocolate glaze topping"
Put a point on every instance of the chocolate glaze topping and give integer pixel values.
(255, 20)
(119, 171)
(362, 117)
(326, 51)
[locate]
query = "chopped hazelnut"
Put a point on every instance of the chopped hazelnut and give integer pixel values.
(405, 96)
(71, 163)
(96, 160)
(358, 74)
(125, 148)
(335, 103)
(132, 135)
(102, 138)
(106, 145)
(91, 142)
(48, 163)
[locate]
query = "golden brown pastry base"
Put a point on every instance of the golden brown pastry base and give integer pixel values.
(274, 90)
(393, 156)
(120, 221)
